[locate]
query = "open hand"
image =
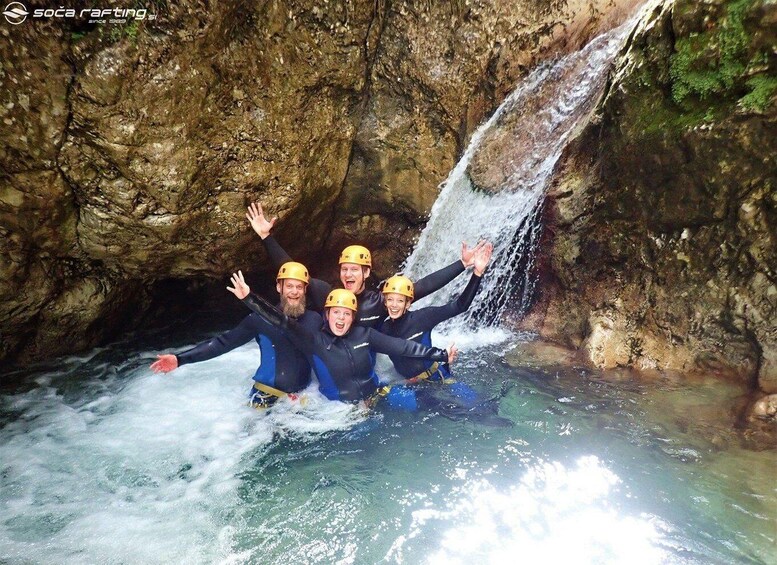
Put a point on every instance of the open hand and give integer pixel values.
(453, 352)
(468, 253)
(483, 257)
(239, 287)
(256, 218)
(164, 363)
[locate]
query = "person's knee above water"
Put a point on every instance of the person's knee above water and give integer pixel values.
(355, 269)
(283, 369)
(417, 325)
(341, 352)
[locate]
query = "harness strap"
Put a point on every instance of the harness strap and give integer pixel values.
(423, 375)
(435, 368)
(265, 396)
(269, 390)
(377, 395)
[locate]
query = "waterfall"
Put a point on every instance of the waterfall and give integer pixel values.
(550, 106)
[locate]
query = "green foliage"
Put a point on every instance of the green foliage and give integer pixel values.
(712, 62)
(718, 66)
(131, 29)
(118, 32)
(762, 89)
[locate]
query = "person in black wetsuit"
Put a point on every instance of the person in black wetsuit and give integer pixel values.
(355, 267)
(284, 368)
(341, 352)
(417, 325)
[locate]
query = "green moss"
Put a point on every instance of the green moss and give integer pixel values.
(117, 32)
(719, 67)
(711, 63)
(762, 90)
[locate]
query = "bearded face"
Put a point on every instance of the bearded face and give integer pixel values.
(294, 307)
(292, 294)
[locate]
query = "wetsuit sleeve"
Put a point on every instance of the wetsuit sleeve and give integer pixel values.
(277, 255)
(395, 346)
(433, 315)
(244, 332)
(266, 311)
(431, 283)
(299, 334)
(318, 290)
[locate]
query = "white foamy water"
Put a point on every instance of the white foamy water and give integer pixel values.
(140, 465)
(510, 219)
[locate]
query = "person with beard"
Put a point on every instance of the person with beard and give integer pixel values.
(341, 352)
(355, 268)
(284, 369)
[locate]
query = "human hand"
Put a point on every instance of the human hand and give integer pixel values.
(164, 363)
(239, 288)
(453, 352)
(482, 258)
(468, 254)
(258, 222)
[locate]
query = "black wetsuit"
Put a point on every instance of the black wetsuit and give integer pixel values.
(371, 309)
(417, 325)
(344, 365)
(283, 366)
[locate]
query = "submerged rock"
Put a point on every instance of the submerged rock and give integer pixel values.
(765, 408)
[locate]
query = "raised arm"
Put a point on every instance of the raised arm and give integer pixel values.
(435, 281)
(244, 332)
(317, 289)
(395, 346)
(262, 226)
(429, 317)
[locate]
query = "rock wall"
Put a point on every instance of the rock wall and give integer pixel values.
(660, 250)
(130, 151)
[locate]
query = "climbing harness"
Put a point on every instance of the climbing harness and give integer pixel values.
(263, 396)
(436, 368)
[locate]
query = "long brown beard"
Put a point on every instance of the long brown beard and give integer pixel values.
(293, 310)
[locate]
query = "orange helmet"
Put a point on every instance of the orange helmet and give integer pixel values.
(357, 254)
(398, 284)
(292, 270)
(341, 297)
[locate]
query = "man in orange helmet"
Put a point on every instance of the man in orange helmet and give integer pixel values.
(284, 368)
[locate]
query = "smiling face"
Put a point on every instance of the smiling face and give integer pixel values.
(292, 294)
(353, 276)
(340, 320)
(396, 304)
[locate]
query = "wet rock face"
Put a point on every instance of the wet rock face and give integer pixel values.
(661, 249)
(130, 151)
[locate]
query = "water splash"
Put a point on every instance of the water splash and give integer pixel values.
(550, 105)
(98, 462)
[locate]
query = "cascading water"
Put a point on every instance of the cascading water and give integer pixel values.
(551, 104)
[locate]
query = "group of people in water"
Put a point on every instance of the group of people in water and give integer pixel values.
(337, 332)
